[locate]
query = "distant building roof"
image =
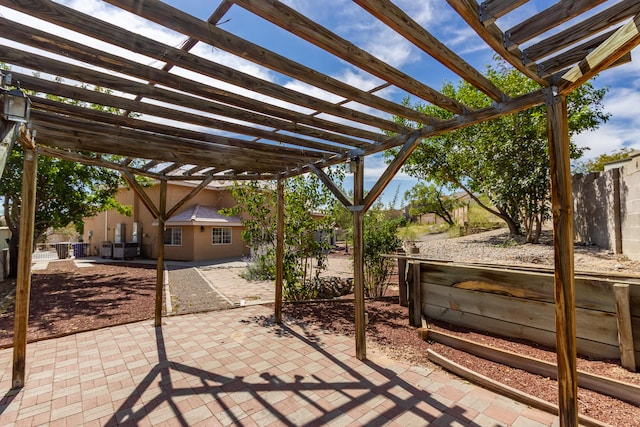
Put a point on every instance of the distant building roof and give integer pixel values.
(202, 215)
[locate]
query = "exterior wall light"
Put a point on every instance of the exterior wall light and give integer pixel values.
(15, 106)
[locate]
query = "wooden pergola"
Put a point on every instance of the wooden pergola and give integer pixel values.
(196, 119)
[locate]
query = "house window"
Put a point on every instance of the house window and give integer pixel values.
(221, 236)
(173, 236)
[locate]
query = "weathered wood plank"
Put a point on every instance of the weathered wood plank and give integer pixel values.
(493, 36)
(490, 10)
(298, 24)
(25, 249)
(219, 39)
(590, 324)
(619, 44)
(594, 24)
(620, 390)
(162, 211)
(221, 160)
(335, 190)
(358, 258)
(549, 18)
(508, 329)
(199, 140)
(416, 297)
(116, 83)
(571, 56)
(144, 197)
(404, 25)
(54, 125)
(625, 331)
(590, 293)
(398, 161)
(565, 296)
(279, 252)
(402, 282)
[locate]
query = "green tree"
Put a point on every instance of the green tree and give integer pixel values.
(597, 164)
(380, 237)
(67, 192)
(307, 222)
(505, 159)
(426, 198)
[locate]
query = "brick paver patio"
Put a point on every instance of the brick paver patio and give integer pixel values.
(236, 367)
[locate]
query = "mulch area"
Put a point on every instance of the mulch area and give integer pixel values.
(389, 331)
(66, 299)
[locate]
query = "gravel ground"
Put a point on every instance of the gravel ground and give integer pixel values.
(190, 292)
(498, 247)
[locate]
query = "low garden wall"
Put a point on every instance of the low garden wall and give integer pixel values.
(519, 303)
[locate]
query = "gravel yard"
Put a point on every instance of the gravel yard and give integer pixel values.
(497, 246)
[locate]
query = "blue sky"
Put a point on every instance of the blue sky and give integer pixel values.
(349, 21)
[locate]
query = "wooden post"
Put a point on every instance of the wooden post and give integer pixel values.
(402, 281)
(279, 252)
(562, 206)
(160, 262)
(25, 249)
(625, 330)
(358, 252)
(415, 307)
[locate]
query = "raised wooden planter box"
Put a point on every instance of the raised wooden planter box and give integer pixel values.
(515, 302)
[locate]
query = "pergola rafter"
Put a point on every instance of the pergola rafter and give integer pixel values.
(189, 117)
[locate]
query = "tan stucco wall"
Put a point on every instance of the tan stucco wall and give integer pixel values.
(196, 245)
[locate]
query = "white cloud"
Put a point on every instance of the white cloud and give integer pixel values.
(622, 130)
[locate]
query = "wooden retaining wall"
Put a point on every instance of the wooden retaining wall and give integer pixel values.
(518, 303)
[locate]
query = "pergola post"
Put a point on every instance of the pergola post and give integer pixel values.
(279, 252)
(25, 249)
(160, 262)
(358, 253)
(562, 206)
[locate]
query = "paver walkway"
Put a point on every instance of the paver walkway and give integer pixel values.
(235, 367)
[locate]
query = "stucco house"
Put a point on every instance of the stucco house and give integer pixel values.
(195, 233)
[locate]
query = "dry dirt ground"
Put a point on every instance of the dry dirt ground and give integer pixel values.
(66, 299)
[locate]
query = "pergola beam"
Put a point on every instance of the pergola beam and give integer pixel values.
(494, 37)
(203, 31)
(296, 23)
(491, 10)
(580, 31)
(412, 142)
(404, 25)
(615, 47)
(328, 182)
(549, 18)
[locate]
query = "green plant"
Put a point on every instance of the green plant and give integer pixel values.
(308, 223)
(380, 237)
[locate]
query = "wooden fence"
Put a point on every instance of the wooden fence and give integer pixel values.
(518, 302)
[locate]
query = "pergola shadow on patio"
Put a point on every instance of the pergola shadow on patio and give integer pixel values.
(237, 367)
(180, 115)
